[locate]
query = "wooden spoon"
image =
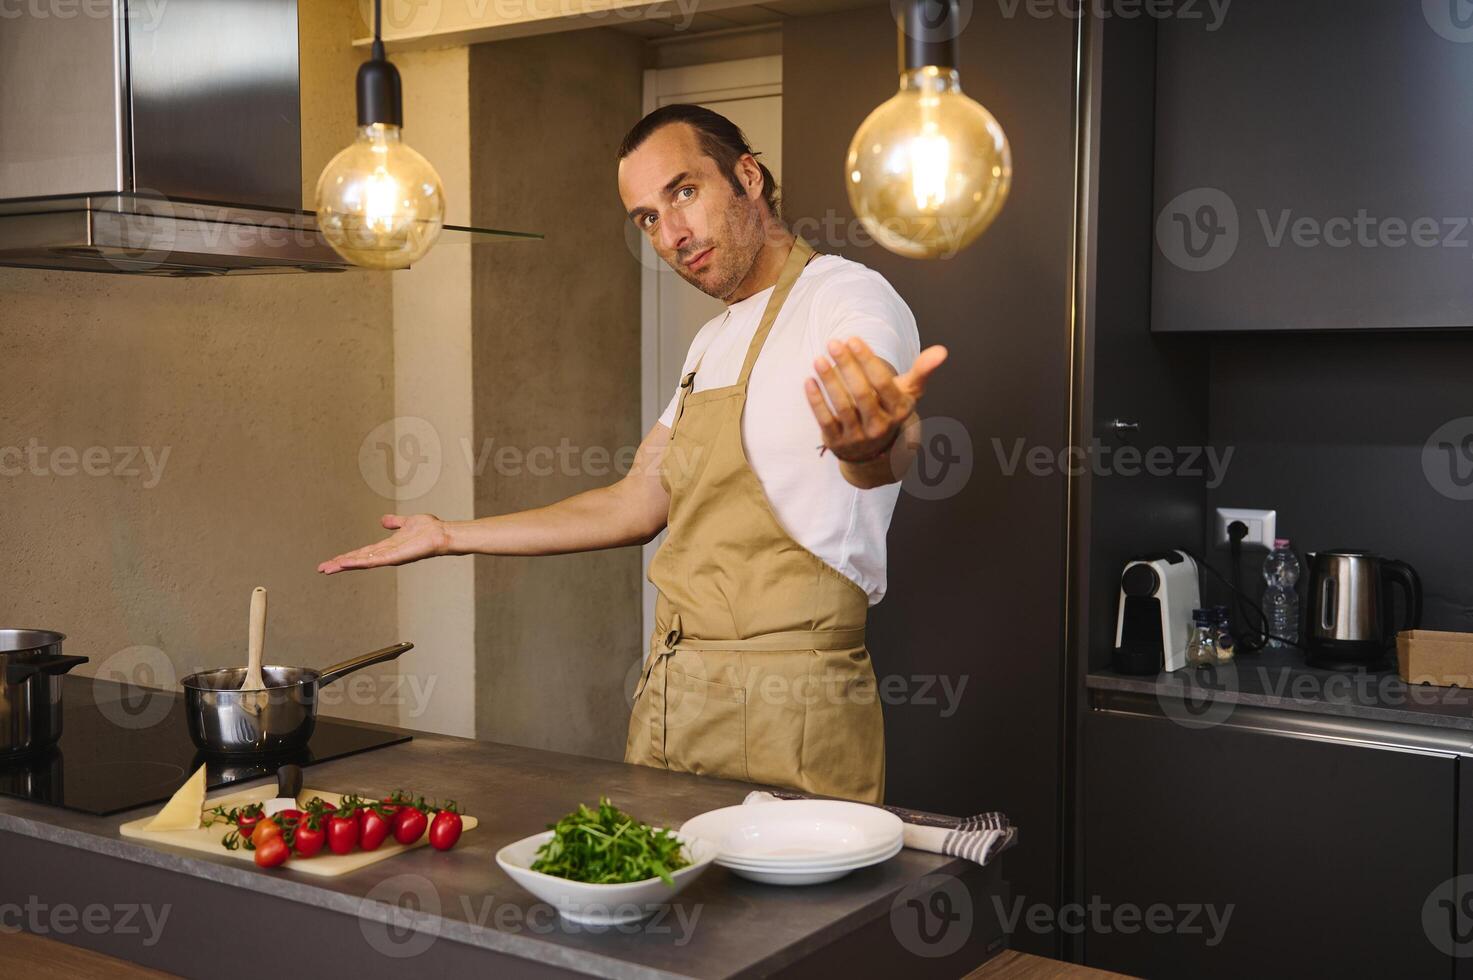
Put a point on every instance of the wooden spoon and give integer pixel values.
(253, 680)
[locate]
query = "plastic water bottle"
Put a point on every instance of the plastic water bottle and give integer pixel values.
(1280, 599)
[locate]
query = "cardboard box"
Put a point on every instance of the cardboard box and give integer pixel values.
(1435, 657)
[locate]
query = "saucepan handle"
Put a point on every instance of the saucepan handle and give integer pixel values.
(358, 663)
(20, 673)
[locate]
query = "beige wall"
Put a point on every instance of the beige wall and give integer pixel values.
(556, 356)
(432, 396)
(260, 390)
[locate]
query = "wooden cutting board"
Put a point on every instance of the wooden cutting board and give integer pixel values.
(324, 863)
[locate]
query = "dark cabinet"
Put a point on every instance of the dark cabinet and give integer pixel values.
(1316, 857)
(1450, 916)
(1002, 308)
(1312, 166)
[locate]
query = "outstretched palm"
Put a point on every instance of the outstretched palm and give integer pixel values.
(416, 537)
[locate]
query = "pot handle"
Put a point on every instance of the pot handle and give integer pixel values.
(336, 671)
(20, 673)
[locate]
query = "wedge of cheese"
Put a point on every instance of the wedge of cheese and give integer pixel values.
(182, 812)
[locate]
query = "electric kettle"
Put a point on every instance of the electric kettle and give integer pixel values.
(1351, 610)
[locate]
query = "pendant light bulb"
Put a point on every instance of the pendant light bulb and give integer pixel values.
(380, 203)
(929, 169)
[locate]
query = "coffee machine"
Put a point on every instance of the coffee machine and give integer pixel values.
(1157, 595)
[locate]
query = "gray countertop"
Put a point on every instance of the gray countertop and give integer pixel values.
(1279, 679)
(724, 925)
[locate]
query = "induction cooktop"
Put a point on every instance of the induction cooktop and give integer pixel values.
(124, 747)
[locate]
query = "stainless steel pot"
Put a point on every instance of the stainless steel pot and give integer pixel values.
(224, 720)
(31, 670)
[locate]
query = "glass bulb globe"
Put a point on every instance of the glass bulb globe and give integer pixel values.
(379, 203)
(929, 169)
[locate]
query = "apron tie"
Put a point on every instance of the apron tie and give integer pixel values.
(669, 643)
(675, 640)
(673, 635)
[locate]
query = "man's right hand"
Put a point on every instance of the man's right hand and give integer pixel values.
(420, 536)
(631, 511)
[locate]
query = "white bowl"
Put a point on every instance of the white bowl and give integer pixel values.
(797, 833)
(601, 905)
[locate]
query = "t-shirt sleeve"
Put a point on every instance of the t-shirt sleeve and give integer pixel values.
(868, 307)
(698, 346)
(667, 417)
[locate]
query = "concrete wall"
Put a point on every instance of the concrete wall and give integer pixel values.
(556, 357)
(259, 389)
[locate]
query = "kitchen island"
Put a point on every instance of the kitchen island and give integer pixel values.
(430, 912)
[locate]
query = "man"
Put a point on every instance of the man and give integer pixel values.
(776, 545)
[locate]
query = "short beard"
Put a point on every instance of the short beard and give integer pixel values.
(741, 253)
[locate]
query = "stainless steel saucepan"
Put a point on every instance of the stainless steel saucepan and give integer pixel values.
(224, 720)
(31, 669)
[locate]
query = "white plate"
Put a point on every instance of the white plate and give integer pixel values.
(817, 864)
(811, 875)
(602, 905)
(796, 832)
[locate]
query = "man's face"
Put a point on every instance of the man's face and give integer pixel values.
(693, 216)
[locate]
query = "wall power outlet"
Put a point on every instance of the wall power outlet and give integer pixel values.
(1261, 528)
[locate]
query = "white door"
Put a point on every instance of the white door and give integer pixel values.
(749, 93)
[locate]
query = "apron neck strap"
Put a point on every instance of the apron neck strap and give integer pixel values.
(792, 269)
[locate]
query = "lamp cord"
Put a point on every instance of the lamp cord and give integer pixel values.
(378, 33)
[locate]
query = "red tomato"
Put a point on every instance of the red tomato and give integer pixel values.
(289, 815)
(342, 834)
(309, 840)
(265, 830)
(247, 823)
(372, 829)
(271, 852)
(445, 830)
(409, 825)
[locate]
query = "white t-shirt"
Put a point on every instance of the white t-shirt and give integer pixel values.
(833, 298)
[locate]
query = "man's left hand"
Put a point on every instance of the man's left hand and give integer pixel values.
(868, 403)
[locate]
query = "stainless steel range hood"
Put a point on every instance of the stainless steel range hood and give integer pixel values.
(162, 138)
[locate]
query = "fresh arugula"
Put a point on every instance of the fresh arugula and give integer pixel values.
(608, 846)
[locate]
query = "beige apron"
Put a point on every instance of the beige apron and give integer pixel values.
(757, 668)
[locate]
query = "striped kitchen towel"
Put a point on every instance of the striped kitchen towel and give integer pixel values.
(978, 838)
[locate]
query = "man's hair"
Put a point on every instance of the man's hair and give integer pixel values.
(720, 138)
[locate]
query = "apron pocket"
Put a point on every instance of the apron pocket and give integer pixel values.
(844, 741)
(705, 726)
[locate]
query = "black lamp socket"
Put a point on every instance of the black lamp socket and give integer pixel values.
(380, 93)
(929, 30)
